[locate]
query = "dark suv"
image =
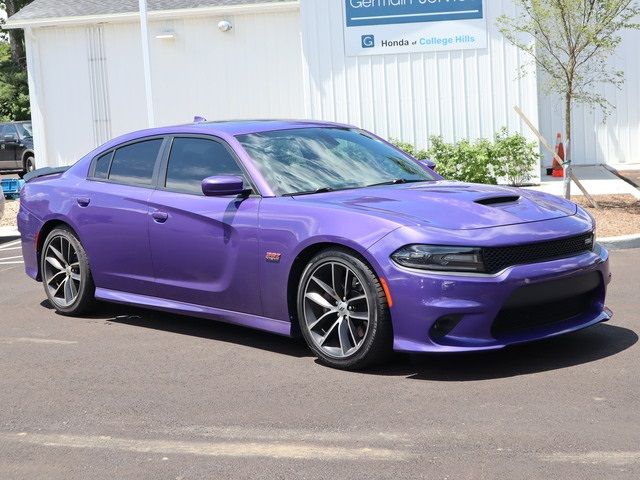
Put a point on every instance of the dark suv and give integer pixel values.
(16, 148)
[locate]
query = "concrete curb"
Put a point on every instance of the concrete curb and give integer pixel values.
(9, 232)
(621, 243)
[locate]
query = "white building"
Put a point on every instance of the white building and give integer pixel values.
(296, 59)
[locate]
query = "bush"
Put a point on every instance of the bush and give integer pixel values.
(517, 155)
(509, 157)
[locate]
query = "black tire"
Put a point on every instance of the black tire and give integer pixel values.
(28, 166)
(84, 300)
(376, 344)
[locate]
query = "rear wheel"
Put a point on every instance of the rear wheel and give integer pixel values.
(343, 311)
(66, 275)
(29, 166)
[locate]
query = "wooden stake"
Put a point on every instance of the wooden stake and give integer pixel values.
(552, 150)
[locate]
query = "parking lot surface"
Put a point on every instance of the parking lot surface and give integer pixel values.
(131, 393)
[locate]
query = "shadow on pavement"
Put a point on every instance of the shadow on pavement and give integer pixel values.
(595, 343)
(4, 240)
(196, 327)
(589, 345)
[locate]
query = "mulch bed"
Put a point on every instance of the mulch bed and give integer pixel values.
(631, 176)
(618, 214)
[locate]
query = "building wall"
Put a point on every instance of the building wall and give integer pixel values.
(616, 139)
(459, 94)
(88, 83)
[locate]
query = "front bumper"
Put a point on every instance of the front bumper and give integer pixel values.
(435, 312)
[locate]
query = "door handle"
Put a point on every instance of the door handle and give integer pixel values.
(83, 201)
(160, 217)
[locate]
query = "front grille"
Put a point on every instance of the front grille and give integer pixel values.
(497, 259)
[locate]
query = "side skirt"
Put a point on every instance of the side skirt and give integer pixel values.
(247, 320)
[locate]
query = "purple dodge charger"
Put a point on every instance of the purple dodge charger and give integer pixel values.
(313, 229)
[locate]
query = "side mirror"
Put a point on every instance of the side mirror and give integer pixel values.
(10, 138)
(429, 164)
(223, 185)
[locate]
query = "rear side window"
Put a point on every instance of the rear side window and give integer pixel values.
(9, 130)
(194, 159)
(101, 170)
(134, 164)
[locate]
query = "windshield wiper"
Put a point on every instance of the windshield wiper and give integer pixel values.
(397, 181)
(310, 192)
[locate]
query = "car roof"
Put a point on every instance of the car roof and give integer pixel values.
(237, 127)
(224, 128)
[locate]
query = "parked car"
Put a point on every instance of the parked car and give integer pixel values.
(313, 229)
(16, 148)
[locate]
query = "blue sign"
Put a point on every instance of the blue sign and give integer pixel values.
(387, 12)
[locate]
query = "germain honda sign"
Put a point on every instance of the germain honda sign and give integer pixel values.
(377, 27)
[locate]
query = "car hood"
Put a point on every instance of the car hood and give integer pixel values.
(450, 205)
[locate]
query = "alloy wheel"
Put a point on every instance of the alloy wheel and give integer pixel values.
(62, 274)
(337, 309)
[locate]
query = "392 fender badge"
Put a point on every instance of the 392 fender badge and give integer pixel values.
(273, 257)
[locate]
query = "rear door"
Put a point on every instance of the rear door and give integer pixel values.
(9, 142)
(112, 212)
(205, 249)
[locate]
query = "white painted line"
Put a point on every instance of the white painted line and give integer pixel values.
(43, 341)
(7, 249)
(11, 263)
(10, 258)
(607, 458)
(300, 451)
(410, 15)
(10, 244)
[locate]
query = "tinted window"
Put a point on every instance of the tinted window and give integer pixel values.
(102, 166)
(194, 159)
(25, 129)
(9, 130)
(308, 159)
(134, 163)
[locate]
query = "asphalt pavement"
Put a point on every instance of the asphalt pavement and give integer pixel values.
(131, 393)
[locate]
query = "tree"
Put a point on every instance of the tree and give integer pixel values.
(14, 89)
(16, 36)
(571, 41)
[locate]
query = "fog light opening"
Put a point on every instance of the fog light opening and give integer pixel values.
(444, 325)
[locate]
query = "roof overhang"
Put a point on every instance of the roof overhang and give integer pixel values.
(156, 15)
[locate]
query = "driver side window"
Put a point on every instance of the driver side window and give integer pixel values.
(193, 159)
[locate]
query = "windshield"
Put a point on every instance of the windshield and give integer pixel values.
(24, 129)
(310, 160)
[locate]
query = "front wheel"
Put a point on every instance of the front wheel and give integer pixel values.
(343, 311)
(66, 274)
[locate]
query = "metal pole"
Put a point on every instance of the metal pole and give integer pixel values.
(146, 63)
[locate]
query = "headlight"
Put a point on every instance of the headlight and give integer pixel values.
(439, 258)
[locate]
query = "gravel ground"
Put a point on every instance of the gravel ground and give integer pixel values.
(618, 214)
(10, 213)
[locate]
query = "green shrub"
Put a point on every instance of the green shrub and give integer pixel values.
(509, 157)
(517, 155)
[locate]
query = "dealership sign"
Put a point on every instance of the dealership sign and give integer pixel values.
(376, 27)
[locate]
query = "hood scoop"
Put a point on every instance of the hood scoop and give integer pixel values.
(492, 201)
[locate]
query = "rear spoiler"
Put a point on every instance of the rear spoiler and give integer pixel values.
(43, 172)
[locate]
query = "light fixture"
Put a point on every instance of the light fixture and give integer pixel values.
(224, 26)
(166, 35)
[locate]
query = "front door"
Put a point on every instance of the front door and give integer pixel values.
(204, 249)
